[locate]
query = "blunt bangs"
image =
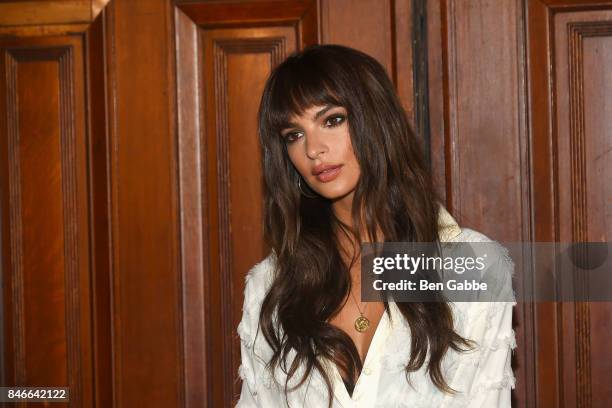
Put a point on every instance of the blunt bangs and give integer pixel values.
(298, 84)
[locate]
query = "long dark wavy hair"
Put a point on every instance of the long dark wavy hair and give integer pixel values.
(394, 193)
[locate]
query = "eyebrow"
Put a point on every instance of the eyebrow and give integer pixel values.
(322, 111)
(316, 116)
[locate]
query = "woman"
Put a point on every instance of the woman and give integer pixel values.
(342, 167)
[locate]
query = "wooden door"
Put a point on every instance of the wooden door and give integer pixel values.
(52, 194)
(571, 106)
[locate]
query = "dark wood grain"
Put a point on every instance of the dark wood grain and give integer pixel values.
(582, 141)
(99, 216)
(146, 284)
(569, 134)
(38, 13)
(46, 252)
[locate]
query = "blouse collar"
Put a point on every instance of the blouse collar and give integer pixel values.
(447, 226)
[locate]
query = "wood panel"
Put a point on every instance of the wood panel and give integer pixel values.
(46, 231)
(354, 29)
(54, 192)
(98, 125)
(571, 141)
(147, 358)
(128, 351)
(583, 141)
(482, 77)
(223, 50)
(39, 12)
(435, 89)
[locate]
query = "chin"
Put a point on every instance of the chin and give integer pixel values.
(335, 194)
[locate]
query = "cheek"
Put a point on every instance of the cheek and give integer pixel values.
(355, 173)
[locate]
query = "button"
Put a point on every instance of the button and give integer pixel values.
(367, 371)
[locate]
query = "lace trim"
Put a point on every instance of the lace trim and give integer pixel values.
(507, 381)
(245, 337)
(509, 340)
(495, 310)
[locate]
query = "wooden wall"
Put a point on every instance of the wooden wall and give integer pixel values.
(130, 175)
(520, 134)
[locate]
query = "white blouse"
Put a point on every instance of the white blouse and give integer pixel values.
(482, 376)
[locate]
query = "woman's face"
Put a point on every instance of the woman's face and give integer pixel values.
(319, 146)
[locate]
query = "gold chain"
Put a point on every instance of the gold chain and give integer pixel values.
(361, 323)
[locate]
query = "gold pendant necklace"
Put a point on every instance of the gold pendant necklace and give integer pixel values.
(361, 323)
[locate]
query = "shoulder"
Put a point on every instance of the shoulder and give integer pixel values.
(498, 267)
(480, 243)
(259, 278)
(257, 283)
(488, 319)
(263, 267)
(470, 235)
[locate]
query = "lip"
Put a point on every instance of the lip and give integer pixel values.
(327, 173)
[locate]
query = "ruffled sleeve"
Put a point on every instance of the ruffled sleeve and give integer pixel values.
(484, 375)
(246, 331)
(494, 379)
(254, 350)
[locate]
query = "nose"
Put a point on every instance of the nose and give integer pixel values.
(315, 144)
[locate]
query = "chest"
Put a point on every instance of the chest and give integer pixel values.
(346, 321)
(352, 310)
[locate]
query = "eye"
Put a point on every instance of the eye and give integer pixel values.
(334, 120)
(291, 137)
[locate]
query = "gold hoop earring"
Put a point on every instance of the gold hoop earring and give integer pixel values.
(299, 183)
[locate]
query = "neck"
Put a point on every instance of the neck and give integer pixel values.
(343, 211)
(342, 208)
